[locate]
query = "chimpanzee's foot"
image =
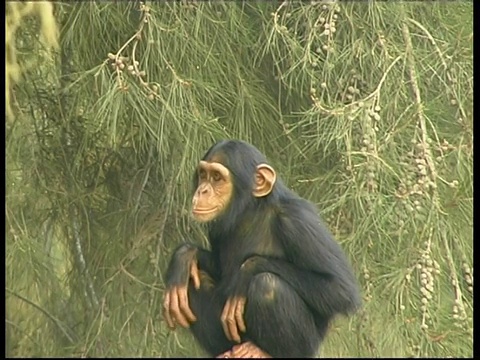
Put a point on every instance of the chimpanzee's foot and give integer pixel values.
(245, 350)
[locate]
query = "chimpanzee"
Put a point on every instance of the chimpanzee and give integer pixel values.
(274, 277)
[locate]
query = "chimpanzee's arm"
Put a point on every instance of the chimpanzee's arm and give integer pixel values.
(206, 262)
(178, 271)
(315, 267)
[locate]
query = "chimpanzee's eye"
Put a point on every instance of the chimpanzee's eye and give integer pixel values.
(216, 176)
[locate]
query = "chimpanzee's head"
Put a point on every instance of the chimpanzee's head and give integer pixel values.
(231, 174)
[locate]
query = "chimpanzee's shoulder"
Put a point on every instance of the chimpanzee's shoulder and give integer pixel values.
(295, 206)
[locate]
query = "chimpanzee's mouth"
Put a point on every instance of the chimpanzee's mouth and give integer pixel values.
(203, 211)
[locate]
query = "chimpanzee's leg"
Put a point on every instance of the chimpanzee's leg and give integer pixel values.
(207, 305)
(278, 321)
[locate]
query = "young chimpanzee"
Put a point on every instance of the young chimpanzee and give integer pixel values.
(274, 277)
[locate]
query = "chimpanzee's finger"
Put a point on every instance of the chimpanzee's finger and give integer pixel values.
(223, 319)
(175, 309)
(232, 323)
(166, 311)
(194, 275)
(239, 310)
(240, 353)
(184, 306)
(227, 354)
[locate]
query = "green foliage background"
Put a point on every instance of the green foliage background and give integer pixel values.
(363, 108)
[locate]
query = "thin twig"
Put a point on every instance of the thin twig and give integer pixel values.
(45, 312)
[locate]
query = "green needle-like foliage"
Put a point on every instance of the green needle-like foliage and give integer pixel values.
(364, 108)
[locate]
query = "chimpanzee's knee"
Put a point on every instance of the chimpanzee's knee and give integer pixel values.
(264, 287)
(278, 320)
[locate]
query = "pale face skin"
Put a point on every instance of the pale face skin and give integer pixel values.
(213, 193)
(215, 188)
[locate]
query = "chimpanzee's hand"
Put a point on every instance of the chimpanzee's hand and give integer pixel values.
(232, 315)
(232, 318)
(183, 266)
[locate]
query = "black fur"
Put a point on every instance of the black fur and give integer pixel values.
(295, 276)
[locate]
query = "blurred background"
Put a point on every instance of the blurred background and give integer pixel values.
(364, 108)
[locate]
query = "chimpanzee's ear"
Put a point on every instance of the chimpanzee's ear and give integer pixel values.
(264, 180)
